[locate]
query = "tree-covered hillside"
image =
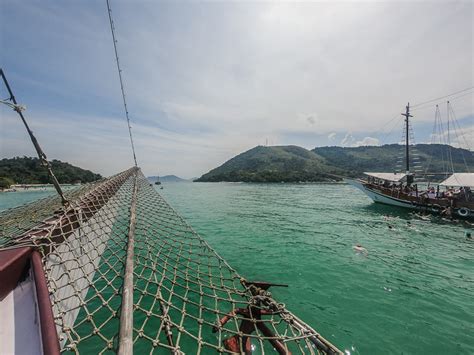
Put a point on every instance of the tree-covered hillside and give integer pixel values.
(274, 164)
(384, 158)
(27, 170)
(292, 163)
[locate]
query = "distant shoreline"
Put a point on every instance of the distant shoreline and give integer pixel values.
(39, 185)
(34, 187)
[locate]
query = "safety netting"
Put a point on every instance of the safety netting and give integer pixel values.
(186, 298)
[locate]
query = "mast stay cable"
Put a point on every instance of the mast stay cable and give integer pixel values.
(12, 103)
(125, 336)
(440, 98)
(112, 29)
(455, 128)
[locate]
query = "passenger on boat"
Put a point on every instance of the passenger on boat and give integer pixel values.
(430, 193)
(449, 193)
(414, 191)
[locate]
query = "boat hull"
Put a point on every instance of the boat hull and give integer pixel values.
(380, 198)
(431, 206)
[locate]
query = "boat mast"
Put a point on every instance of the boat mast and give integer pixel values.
(407, 143)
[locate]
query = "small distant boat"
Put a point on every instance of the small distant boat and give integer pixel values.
(451, 197)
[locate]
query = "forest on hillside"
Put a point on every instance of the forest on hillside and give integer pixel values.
(27, 170)
(294, 164)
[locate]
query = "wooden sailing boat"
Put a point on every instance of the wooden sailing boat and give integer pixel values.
(451, 197)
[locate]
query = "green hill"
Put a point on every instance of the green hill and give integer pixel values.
(273, 164)
(292, 163)
(384, 158)
(27, 170)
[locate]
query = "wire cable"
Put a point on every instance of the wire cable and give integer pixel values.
(112, 29)
(456, 123)
(442, 97)
(12, 103)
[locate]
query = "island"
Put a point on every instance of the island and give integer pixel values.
(328, 164)
(166, 178)
(27, 170)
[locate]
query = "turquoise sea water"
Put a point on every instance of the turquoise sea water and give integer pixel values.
(413, 293)
(14, 199)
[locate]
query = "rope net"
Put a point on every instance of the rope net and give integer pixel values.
(186, 298)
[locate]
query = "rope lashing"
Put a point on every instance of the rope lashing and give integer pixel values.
(17, 108)
(41, 155)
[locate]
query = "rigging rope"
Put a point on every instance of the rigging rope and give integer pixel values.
(41, 155)
(441, 136)
(440, 98)
(389, 131)
(435, 134)
(119, 70)
(456, 124)
(14, 107)
(450, 154)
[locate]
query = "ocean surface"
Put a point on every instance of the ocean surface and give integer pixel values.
(411, 293)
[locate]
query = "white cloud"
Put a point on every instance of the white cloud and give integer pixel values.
(348, 140)
(367, 141)
(206, 81)
(102, 144)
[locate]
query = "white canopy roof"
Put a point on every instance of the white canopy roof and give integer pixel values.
(459, 179)
(387, 176)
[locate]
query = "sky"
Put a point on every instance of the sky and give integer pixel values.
(206, 81)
